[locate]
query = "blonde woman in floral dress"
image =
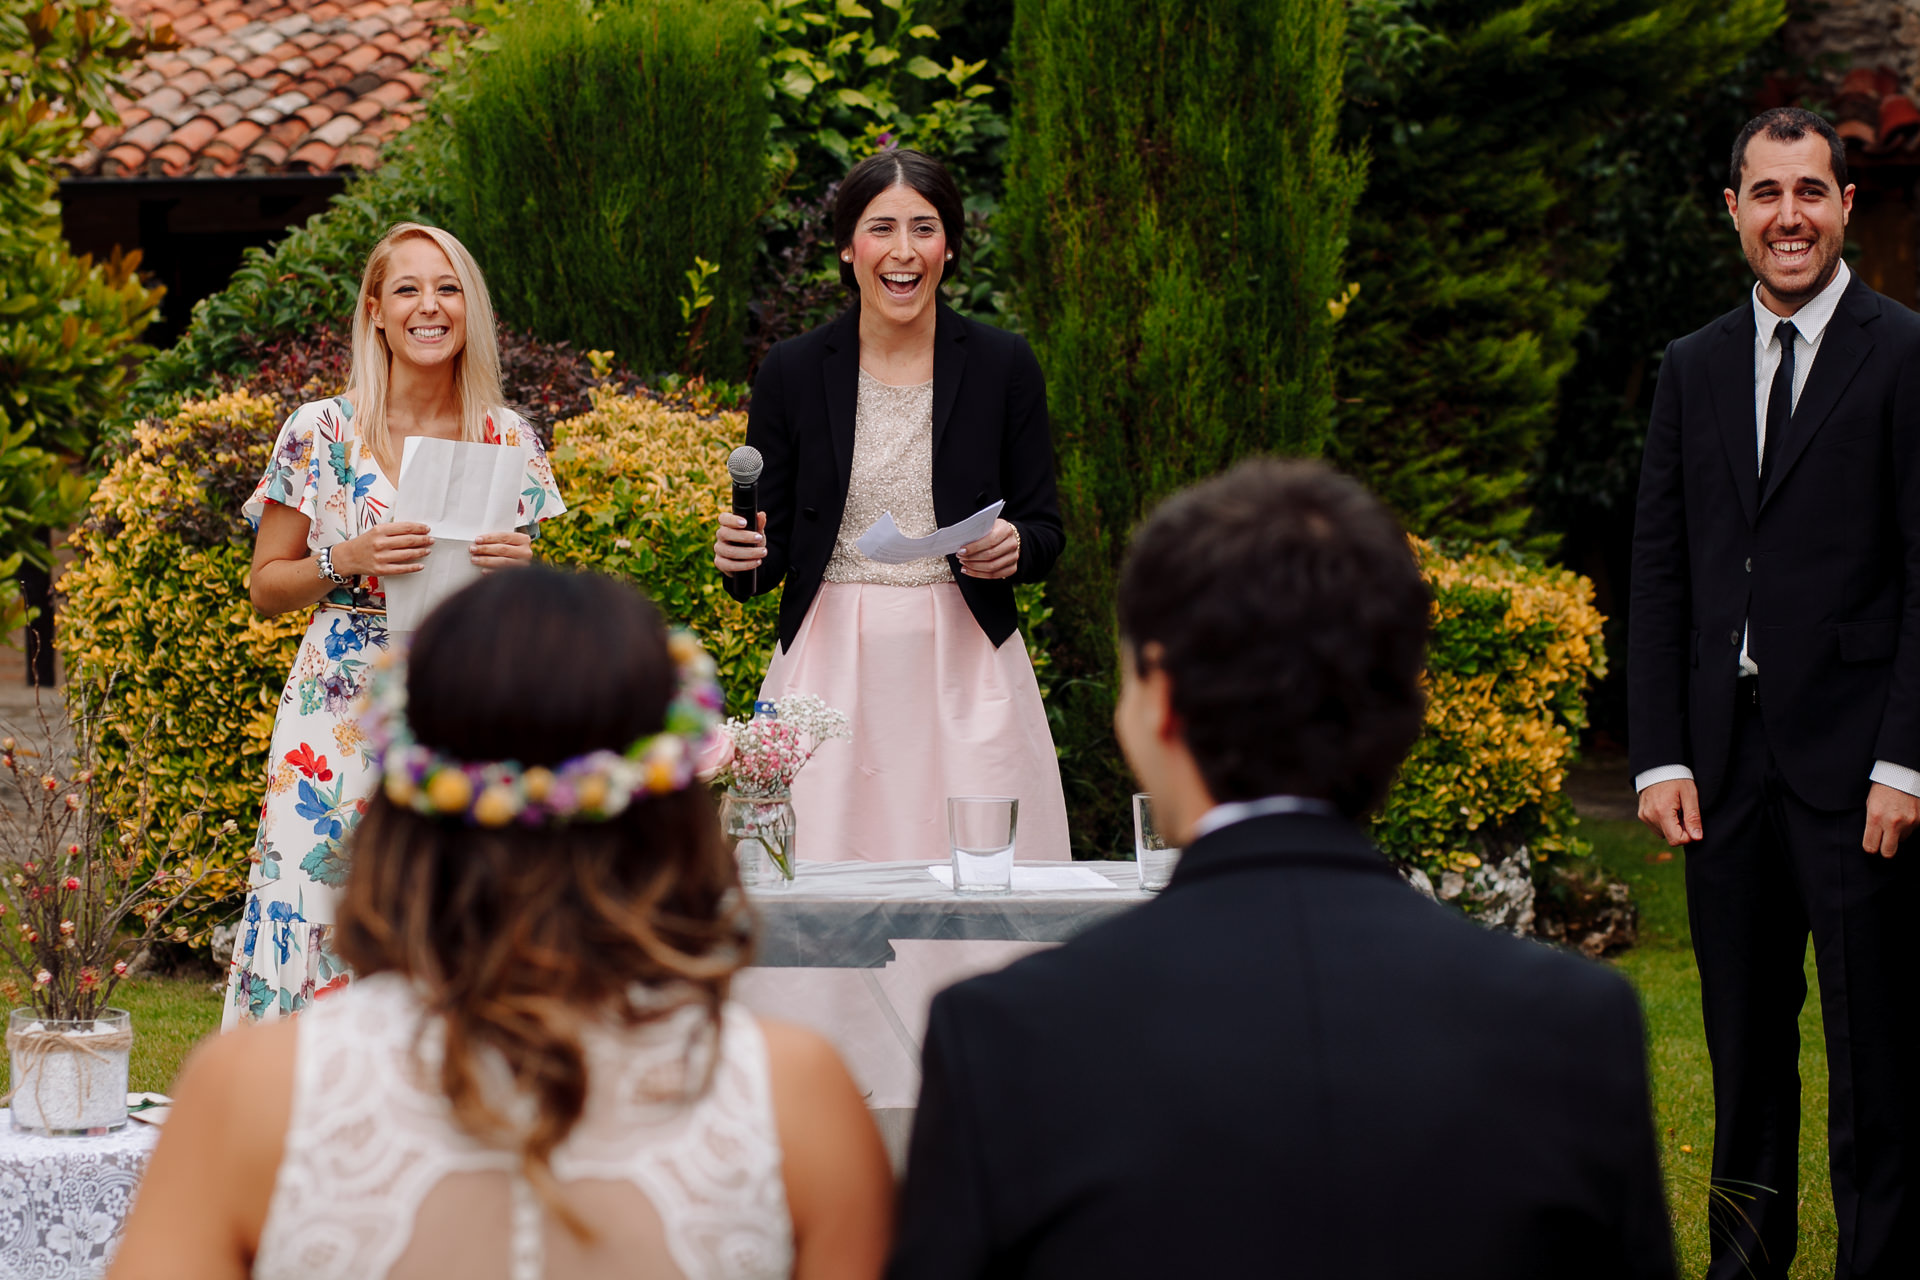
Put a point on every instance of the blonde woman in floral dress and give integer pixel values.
(425, 363)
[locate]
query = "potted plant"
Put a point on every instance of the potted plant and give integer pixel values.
(79, 897)
(758, 758)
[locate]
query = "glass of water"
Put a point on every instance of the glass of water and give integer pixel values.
(1151, 853)
(981, 831)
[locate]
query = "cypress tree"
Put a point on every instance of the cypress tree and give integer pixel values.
(1483, 243)
(596, 153)
(1176, 212)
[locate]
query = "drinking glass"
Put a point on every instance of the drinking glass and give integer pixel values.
(981, 831)
(1151, 853)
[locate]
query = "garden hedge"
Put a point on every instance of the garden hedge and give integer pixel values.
(157, 597)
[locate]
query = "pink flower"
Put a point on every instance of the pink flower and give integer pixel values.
(119, 968)
(715, 756)
(42, 978)
(73, 802)
(66, 928)
(73, 883)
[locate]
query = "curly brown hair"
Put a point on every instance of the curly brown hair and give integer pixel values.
(519, 937)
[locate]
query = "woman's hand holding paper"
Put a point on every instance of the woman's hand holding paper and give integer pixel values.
(386, 550)
(995, 556)
(501, 550)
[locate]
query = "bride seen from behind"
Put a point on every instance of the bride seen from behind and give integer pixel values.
(538, 1072)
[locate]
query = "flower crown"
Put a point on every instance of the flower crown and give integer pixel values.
(587, 788)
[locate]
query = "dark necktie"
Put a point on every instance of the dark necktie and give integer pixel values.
(1779, 400)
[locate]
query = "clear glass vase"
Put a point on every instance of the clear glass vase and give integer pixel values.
(761, 829)
(69, 1076)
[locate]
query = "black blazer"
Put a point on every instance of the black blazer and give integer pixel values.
(990, 441)
(1289, 1064)
(1826, 567)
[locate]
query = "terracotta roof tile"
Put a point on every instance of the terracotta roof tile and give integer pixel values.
(357, 156)
(125, 160)
(265, 156)
(360, 57)
(266, 86)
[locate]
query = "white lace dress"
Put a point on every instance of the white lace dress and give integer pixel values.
(378, 1180)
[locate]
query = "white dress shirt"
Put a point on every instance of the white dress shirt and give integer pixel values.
(1226, 815)
(1811, 321)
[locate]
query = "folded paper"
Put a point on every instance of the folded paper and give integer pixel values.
(885, 544)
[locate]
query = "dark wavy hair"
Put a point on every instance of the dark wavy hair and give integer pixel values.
(1291, 620)
(908, 168)
(518, 937)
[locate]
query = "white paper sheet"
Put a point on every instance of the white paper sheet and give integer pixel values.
(1039, 879)
(459, 491)
(885, 543)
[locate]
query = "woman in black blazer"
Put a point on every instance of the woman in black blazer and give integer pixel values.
(902, 405)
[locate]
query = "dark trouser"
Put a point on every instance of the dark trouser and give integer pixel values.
(1772, 870)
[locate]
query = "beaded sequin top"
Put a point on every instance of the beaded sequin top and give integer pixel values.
(892, 471)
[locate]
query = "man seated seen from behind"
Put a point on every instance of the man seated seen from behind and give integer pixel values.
(1290, 1062)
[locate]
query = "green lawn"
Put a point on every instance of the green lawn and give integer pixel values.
(1661, 967)
(170, 1015)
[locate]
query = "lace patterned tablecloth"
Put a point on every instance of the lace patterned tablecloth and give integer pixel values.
(63, 1201)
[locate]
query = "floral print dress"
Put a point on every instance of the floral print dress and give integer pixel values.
(320, 770)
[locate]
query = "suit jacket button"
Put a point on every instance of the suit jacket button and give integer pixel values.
(1733, 637)
(1749, 564)
(810, 513)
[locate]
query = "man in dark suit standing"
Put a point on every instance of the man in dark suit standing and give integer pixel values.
(1774, 697)
(1290, 1063)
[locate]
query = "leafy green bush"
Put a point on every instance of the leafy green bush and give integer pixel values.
(600, 153)
(645, 483)
(1176, 211)
(156, 618)
(69, 326)
(1514, 646)
(846, 81)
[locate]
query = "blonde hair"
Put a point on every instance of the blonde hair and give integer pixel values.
(476, 368)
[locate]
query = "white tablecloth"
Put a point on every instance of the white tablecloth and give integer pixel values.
(63, 1201)
(858, 950)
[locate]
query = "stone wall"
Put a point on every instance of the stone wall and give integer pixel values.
(1862, 33)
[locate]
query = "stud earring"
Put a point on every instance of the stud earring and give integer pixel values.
(949, 255)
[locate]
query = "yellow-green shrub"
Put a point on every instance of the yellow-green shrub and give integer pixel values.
(156, 599)
(645, 483)
(1514, 645)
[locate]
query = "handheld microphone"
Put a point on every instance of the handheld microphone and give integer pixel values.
(744, 465)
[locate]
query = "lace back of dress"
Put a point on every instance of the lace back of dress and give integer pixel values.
(378, 1181)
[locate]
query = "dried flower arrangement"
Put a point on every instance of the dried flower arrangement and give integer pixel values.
(76, 903)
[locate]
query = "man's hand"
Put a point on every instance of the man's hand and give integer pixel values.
(1891, 813)
(1672, 809)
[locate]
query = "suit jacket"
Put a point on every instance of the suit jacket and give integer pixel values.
(1290, 1063)
(1825, 566)
(990, 441)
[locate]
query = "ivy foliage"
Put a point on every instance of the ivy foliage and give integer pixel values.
(1476, 260)
(846, 80)
(1175, 291)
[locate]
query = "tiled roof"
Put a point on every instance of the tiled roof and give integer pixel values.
(268, 86)
(1871, 113)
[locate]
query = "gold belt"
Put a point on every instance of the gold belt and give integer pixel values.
(365, 610)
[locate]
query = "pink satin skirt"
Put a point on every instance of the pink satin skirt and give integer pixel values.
(936, 711)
